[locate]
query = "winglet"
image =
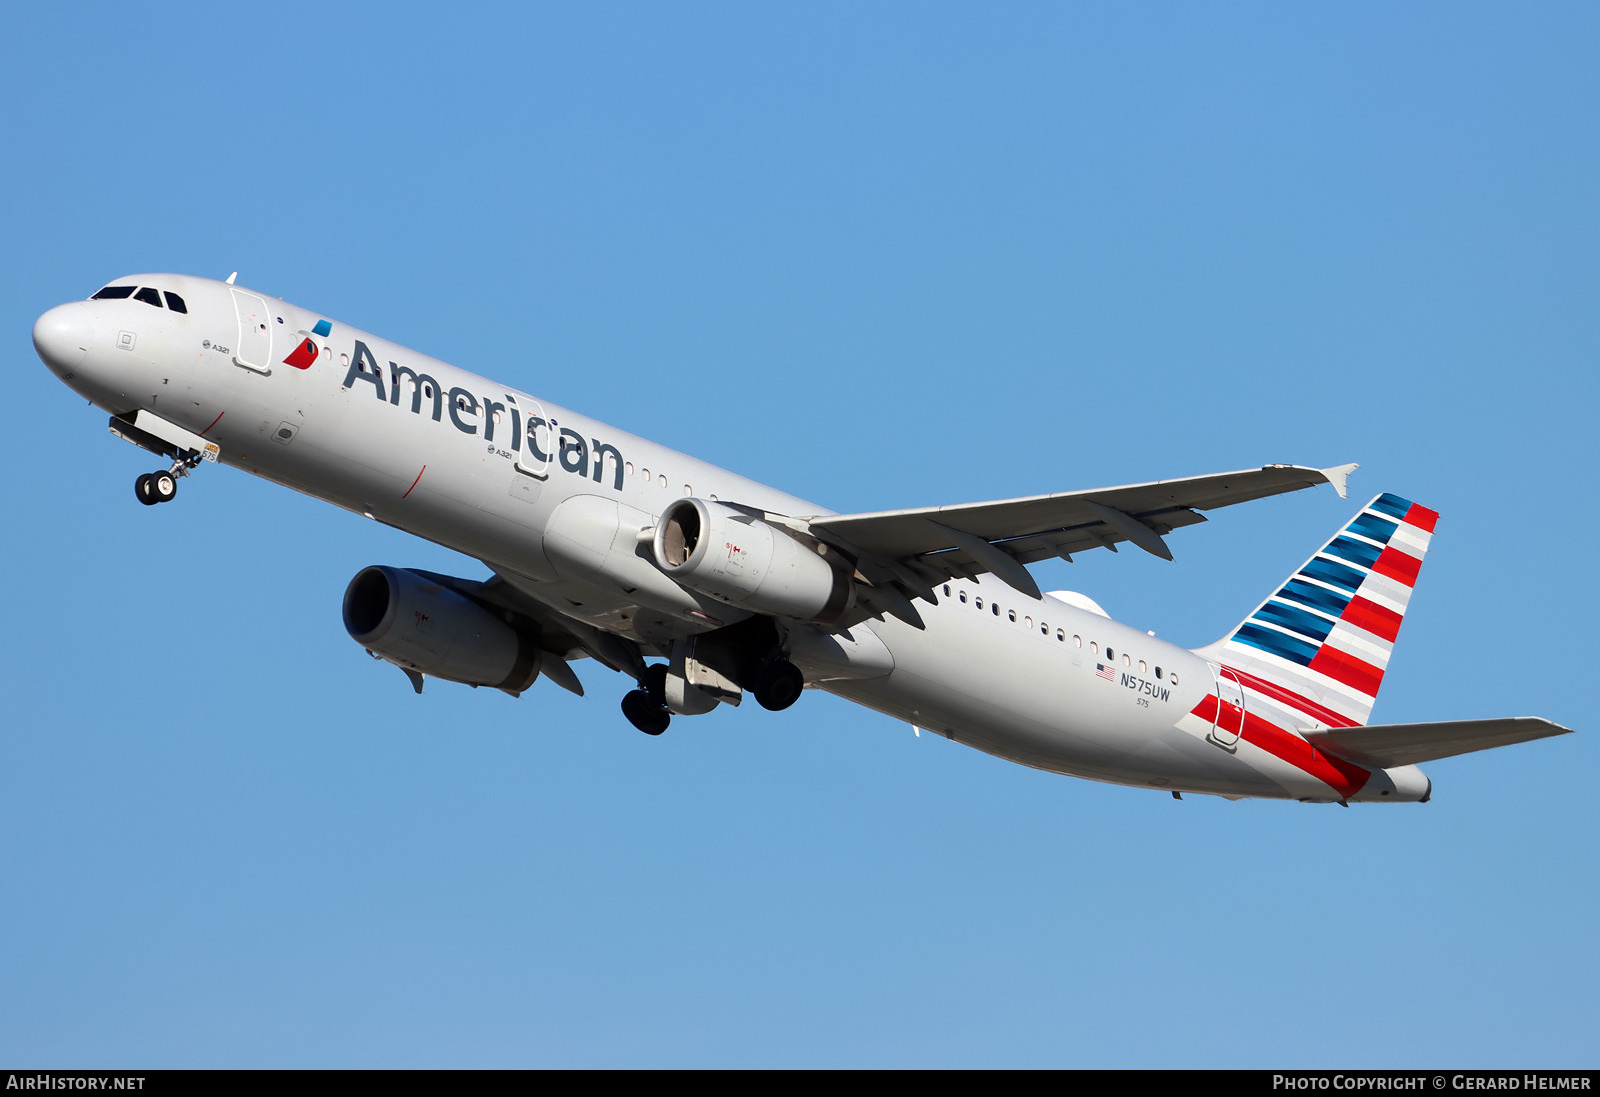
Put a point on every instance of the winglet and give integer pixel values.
(1337, 475)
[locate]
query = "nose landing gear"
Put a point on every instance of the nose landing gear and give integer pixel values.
(162, 487)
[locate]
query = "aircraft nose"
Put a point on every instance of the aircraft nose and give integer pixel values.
(62, 336)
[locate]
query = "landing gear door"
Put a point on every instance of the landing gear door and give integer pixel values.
(1228, 724)
(254, 349)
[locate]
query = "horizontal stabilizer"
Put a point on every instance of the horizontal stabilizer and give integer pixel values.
(1389, 745)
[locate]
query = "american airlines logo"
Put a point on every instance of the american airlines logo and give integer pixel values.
(575, 454)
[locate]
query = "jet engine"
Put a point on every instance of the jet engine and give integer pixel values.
(745, 561)
(424, 627)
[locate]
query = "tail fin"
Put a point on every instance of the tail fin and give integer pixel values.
(1318, 647)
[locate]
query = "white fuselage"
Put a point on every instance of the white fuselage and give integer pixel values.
(557, 499)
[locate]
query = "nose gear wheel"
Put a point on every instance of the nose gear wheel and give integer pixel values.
(162, 487)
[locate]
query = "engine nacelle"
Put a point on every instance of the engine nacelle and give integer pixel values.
(423, 626)
(747, 562)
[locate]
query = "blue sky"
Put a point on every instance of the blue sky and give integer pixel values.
(877, 255)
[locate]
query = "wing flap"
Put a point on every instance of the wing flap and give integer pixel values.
(1047, 544)
(1388, 745)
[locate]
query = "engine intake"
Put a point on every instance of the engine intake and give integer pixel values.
(745, 561)
(422, 625)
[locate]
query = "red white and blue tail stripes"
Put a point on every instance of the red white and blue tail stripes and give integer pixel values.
(1317, 649)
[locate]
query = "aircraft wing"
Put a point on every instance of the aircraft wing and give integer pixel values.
(914, 548)
(1386, 745)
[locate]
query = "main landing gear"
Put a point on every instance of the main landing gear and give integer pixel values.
(162, 487)
(646, 707)
(778, 685)
(775, 684)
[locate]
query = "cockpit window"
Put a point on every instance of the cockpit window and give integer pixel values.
(113, 293)
(174, 302)
(148, 296)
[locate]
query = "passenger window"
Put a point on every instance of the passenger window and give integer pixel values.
(1027, 622)
(174, 302)
(1061, 636)
(1044, 628)
(644, 474)
(994, 607)
(947, 590)
(1142, 667)
(1125, 660)
(113, 293)
(1158, 674)
(978, 601)
(148, 296)
(1094, 647)
(661, 481)
(1174, 678)
(1110, 655)
(1077, 641)
(963, 597)
(1011, 615)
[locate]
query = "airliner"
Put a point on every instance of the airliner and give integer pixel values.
(701, 586)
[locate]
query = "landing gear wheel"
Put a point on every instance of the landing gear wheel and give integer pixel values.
(779, 687)
(155, 487)
(645, 713)
(163, 486)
